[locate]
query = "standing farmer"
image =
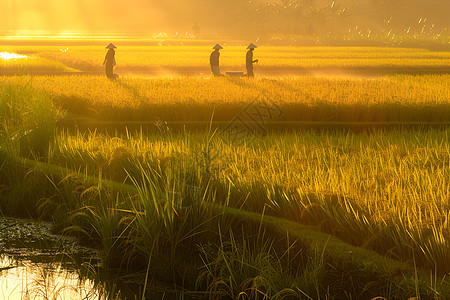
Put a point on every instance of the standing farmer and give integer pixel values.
(249, 60)
(110, 61)
(214, 60)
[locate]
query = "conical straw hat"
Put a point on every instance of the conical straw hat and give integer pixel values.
(252, 46)
(110, 46)
(217, 46)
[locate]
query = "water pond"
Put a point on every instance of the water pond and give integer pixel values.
(37, 264)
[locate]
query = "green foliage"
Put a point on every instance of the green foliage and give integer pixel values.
(248, 268)
(27, 119)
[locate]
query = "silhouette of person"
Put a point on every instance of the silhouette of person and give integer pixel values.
(214, 60)
(110, 61)
(249, 60)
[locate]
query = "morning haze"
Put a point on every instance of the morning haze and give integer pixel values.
(260, 18)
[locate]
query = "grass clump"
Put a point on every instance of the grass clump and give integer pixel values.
(28, 119)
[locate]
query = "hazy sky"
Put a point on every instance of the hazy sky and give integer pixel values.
(59, 16)
(147, 17)
(112, 16)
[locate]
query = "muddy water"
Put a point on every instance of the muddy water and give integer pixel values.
(24, 279)
(37, 264)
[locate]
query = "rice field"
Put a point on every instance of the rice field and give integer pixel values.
(399, 98)
(179, 60)
(387, 191)
(329, 213)
(271, 57)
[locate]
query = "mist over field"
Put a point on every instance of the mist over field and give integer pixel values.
(237, 19)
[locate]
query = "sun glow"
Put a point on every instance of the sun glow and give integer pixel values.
(9, 56)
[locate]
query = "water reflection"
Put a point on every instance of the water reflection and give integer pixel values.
(36, 264)
(14, 56)
(27, 280)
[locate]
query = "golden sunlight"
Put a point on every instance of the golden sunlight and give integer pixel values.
(9, 56)
(224, 149)
(28, 18)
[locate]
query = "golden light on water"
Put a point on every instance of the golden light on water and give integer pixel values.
(10, 56)
(28, 281)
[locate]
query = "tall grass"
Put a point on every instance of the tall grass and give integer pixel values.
(398, 98)
(385, 191)
(28, 119)
(163, 222)
(164, 203)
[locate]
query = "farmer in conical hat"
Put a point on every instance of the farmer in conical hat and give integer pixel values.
(249, 60)
(110, 61)
(214, 60)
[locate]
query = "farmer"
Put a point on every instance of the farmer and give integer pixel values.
(214, 60)
(249, 60)
(110, 61)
